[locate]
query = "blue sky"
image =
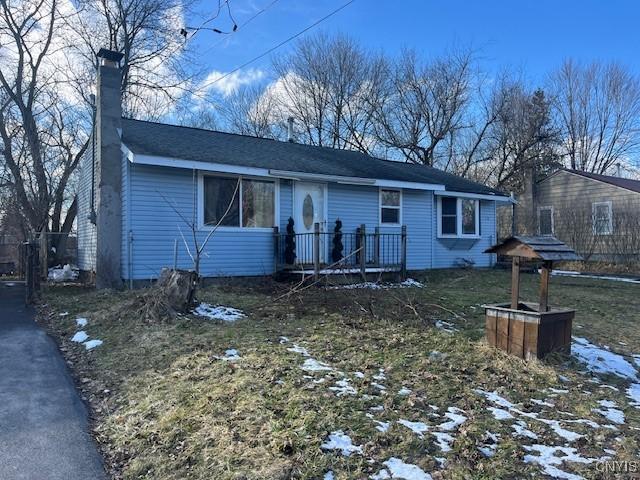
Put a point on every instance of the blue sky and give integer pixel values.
(530, 37)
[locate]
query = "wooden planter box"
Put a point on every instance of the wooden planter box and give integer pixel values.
(527, 333)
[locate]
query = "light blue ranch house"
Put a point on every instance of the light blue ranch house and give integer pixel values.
(146, 187)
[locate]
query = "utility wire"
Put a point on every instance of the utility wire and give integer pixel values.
(293, 37)
(241, 26)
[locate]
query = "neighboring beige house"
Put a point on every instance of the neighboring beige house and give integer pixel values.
(597, 215)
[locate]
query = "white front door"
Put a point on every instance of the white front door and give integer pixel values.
(308, 209)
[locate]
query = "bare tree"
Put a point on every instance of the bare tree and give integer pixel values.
(326, 84)
(597, 107)
(422, 104)
(522, 138)
(250, 111)
(46, 76)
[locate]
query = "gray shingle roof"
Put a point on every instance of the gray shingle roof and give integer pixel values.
(628, 183)
(159, 139)
(540, 247)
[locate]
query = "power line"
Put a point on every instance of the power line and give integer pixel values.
(293, 37)
(241, 26)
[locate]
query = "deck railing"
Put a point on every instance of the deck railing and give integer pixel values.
(362, 251)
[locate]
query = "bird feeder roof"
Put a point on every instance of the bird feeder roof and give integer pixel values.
(535, 248)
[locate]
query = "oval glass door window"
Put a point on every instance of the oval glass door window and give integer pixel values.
(307, 211)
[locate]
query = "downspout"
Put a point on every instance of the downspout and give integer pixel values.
(92, 212)
(434, 223)
(129, 231)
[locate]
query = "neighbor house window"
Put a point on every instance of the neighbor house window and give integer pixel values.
(602, 218)
(545, 220)
(390, 206)
(458, 217)
(247, 203)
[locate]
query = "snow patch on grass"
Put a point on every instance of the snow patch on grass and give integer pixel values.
(500, 413)
(444, 440)
(446, 326)
(610, 412)
(600, 360)
(313, 365)
(343, 388)
(571, 273)
(542, 403)
(81, 322)
(91, 344)
(455, 419)
(549, 459)
(520, 429)
(404, 391)
(416, 427)
(633, 392)
(493, 397)
(80, 337)
(230, 355)
(338, 440)
(298, 349)
(408, 283)
(396, 468)
(491, 444)
(218, 312)
(380, 426)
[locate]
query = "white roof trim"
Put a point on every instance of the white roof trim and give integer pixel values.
(264, 172)
(355, 180)
(477, 196)
(197, 165)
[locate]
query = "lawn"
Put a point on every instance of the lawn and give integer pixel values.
(355, 383)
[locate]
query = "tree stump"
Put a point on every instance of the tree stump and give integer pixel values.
(179, 286)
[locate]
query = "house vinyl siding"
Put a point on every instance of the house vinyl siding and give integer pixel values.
(86, 229)
(572, 197)
(417, 215)
(159, 197)
(448, 252)
(565, 188)
(155, 198)
(286, 204)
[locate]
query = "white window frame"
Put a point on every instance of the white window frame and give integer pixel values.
(609, 206)
(380, 207)
(240, 228)
(553, 225)
(458, 233)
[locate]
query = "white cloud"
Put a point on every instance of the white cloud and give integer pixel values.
(226, 84)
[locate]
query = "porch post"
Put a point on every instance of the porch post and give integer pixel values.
(276, 249)
(316, 251)
(376, 246)
(363, 251)
(544, 286)
(403, 247)
(515, 282)
(44, 254)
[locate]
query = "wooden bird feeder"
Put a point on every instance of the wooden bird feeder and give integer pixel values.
(526, 329)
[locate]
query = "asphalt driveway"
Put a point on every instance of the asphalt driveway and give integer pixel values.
(43, 422)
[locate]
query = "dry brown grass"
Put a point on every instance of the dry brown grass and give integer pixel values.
(174, 410)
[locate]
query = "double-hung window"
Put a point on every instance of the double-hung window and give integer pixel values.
(458, 217)
(545, 220)
(390, 201)
(602, 218)
(238, 202)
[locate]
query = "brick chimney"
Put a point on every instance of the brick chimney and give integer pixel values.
(108, 128)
